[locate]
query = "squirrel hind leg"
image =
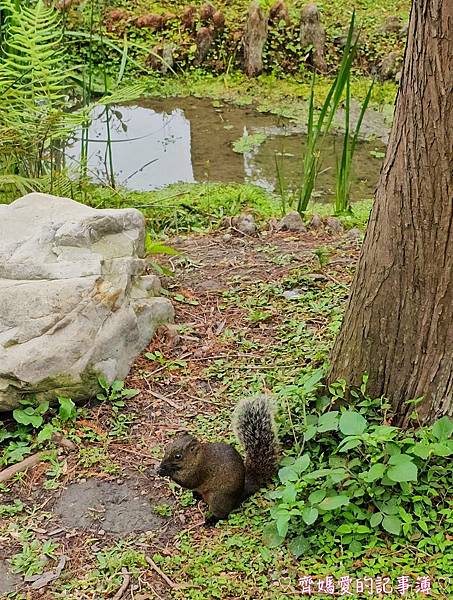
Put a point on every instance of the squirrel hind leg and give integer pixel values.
(221, 505)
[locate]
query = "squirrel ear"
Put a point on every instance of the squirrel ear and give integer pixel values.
(193, 444)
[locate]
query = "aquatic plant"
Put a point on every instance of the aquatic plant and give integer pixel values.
(342, 203)
(318, 129)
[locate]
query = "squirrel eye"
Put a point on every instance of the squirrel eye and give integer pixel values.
(177, 456)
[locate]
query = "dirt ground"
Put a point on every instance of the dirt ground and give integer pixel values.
(106, 490)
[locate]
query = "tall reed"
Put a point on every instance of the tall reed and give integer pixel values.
(319, 128)
(342, 203)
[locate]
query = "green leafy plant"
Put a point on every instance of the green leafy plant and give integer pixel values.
(115, 391)
(359, 477)
(36, 424)
(33, 556)
(249, 142)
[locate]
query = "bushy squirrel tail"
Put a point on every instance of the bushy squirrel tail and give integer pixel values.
(255, 428)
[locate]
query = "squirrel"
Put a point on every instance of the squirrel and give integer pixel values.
(216, 471)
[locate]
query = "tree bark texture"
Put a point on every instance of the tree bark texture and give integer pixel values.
(398, 325)
(255, 38)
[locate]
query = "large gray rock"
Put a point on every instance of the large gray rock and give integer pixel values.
(74, 300)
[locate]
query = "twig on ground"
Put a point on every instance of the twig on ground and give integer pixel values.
(162, 397)
(126, 582)
(167, 579)
(30, 461)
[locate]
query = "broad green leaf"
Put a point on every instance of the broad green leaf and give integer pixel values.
(391, 507)
(317, 474)
(355, 546)
(392, 524)
(67, 408)
(310, 432)
(376, 519)
(286, 474)
(406, 471)
(349, 445)
(130, 393)
(42, 408)
(46, 433)
(338, 475)
(103, 383)
(301, 463)
(271, 537)
(333, 502)
(328, 421)
(25, 418)
(317, 496)
(309, 515)
(283, 524)
(421, 450)
(158, 248)
(289, 494)
(376, 471)
(343, 529)
(117, 386)
(311, 383)
(400, 459)
(443, 428)
(439, 449)
(352, 423)
(299, 545)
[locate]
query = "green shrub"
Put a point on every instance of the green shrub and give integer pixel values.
(358, 477)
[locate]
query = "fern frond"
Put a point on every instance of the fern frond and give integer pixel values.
(31, 65)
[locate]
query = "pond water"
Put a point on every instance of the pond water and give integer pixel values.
(159, 142)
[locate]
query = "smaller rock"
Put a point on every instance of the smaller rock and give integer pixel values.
(218, 20)
(292, 294)
(390, 66)
(244, 223)
(292, 222)
(316, 222)
(334, 225)
(150, 21)
(354, 234)
(391, 24)
(207, 11)
(227, 237)
(189, 17)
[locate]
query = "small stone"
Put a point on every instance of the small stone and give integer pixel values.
(292, 222)
(391, 24)
(227, 237)
(390, 66)
(292, 294)
(334, 225)
(354, 234)
(244, 223)
(101, 532)
(316, 222)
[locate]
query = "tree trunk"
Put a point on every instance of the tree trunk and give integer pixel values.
(398, 325)
(255, 38)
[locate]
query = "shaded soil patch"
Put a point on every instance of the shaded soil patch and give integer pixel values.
(8, 581)
(109, 506)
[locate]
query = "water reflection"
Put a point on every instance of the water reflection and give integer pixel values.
(159, 142)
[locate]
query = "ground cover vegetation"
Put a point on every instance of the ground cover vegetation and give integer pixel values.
(358, 501)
